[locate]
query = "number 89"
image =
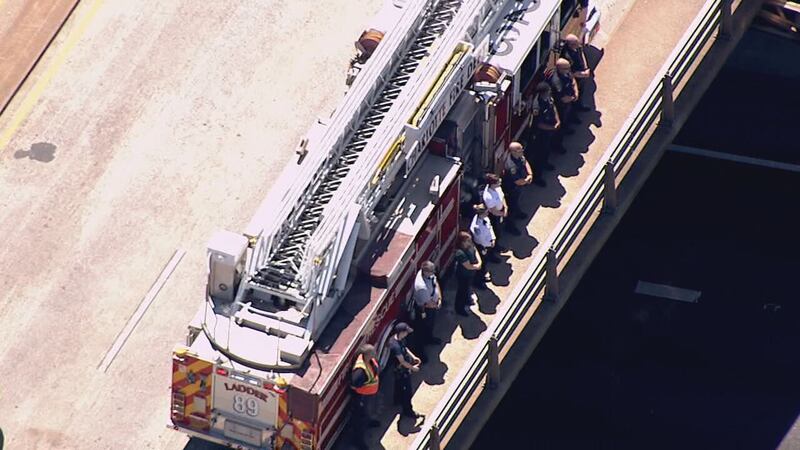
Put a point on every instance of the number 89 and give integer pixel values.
(243, 405)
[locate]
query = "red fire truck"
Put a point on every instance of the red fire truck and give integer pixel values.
(328, 261)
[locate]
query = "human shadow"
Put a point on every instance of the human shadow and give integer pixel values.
(501, 271)
(40, 151)
(487, 301)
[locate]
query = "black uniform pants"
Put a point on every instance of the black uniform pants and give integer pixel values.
(496, 221)
(423, 326)
(541, 153)
(480, 274)
(360, 419)
(463, 293)
(402, 390)
(512, 192)
(564, 112)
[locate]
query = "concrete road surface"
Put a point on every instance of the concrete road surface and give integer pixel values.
(145, 127)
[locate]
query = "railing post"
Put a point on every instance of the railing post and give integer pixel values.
(667, 102)
(434, 443)
(610, 188)
(493, 372)
(551, 276)
(725, 20)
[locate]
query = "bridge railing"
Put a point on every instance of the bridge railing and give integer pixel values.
(655, 108)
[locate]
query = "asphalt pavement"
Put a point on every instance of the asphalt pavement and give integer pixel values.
(623, 370)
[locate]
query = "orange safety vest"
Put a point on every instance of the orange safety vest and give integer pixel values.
(371, 369)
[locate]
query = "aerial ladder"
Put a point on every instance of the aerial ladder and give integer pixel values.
(283, 279)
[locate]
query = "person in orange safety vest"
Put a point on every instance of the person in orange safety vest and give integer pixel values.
(364, 381)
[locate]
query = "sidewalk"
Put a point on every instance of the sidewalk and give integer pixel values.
(26, 30)
(632, 55)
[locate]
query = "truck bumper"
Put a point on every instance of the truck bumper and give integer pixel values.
(221, 440)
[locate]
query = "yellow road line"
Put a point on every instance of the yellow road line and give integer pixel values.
(33, 96)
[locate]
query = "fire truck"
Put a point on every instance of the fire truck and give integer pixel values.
(437, 90)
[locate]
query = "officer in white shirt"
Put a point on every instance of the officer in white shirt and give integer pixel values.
(427, 301)
(495, 200)
(484, 238)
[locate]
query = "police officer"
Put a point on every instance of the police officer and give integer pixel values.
(407, 363)
(573, 52)
(565, 91)
(518, 173)
(547, 123)
(427, 302)
(364, 381)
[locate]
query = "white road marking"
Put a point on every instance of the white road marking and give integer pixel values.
(666, 291)
(736, 158)
(122, 337)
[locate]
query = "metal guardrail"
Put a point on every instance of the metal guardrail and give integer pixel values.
(657, 103)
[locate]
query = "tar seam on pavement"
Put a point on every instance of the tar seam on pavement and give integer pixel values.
(148, 299)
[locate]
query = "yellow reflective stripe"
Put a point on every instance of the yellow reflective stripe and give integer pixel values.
(423, 107)
(371, 378)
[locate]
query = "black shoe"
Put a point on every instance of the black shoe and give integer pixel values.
(547, 166)
(540, 183)
(412, 414)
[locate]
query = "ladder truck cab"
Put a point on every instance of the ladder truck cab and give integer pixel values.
(328, 261)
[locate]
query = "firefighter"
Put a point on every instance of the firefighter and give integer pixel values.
(427, 302)
(573, 52)
(407, 363)
(484, 238)
(364, 381)
(495, 199)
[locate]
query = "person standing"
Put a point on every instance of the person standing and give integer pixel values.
(484, 238)
(573, 52)
(518, 174)
(468, 262)
(495, 199)
(565, 91)
(547, 123)
(407, 363)
(364, 381)
(427, 302)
